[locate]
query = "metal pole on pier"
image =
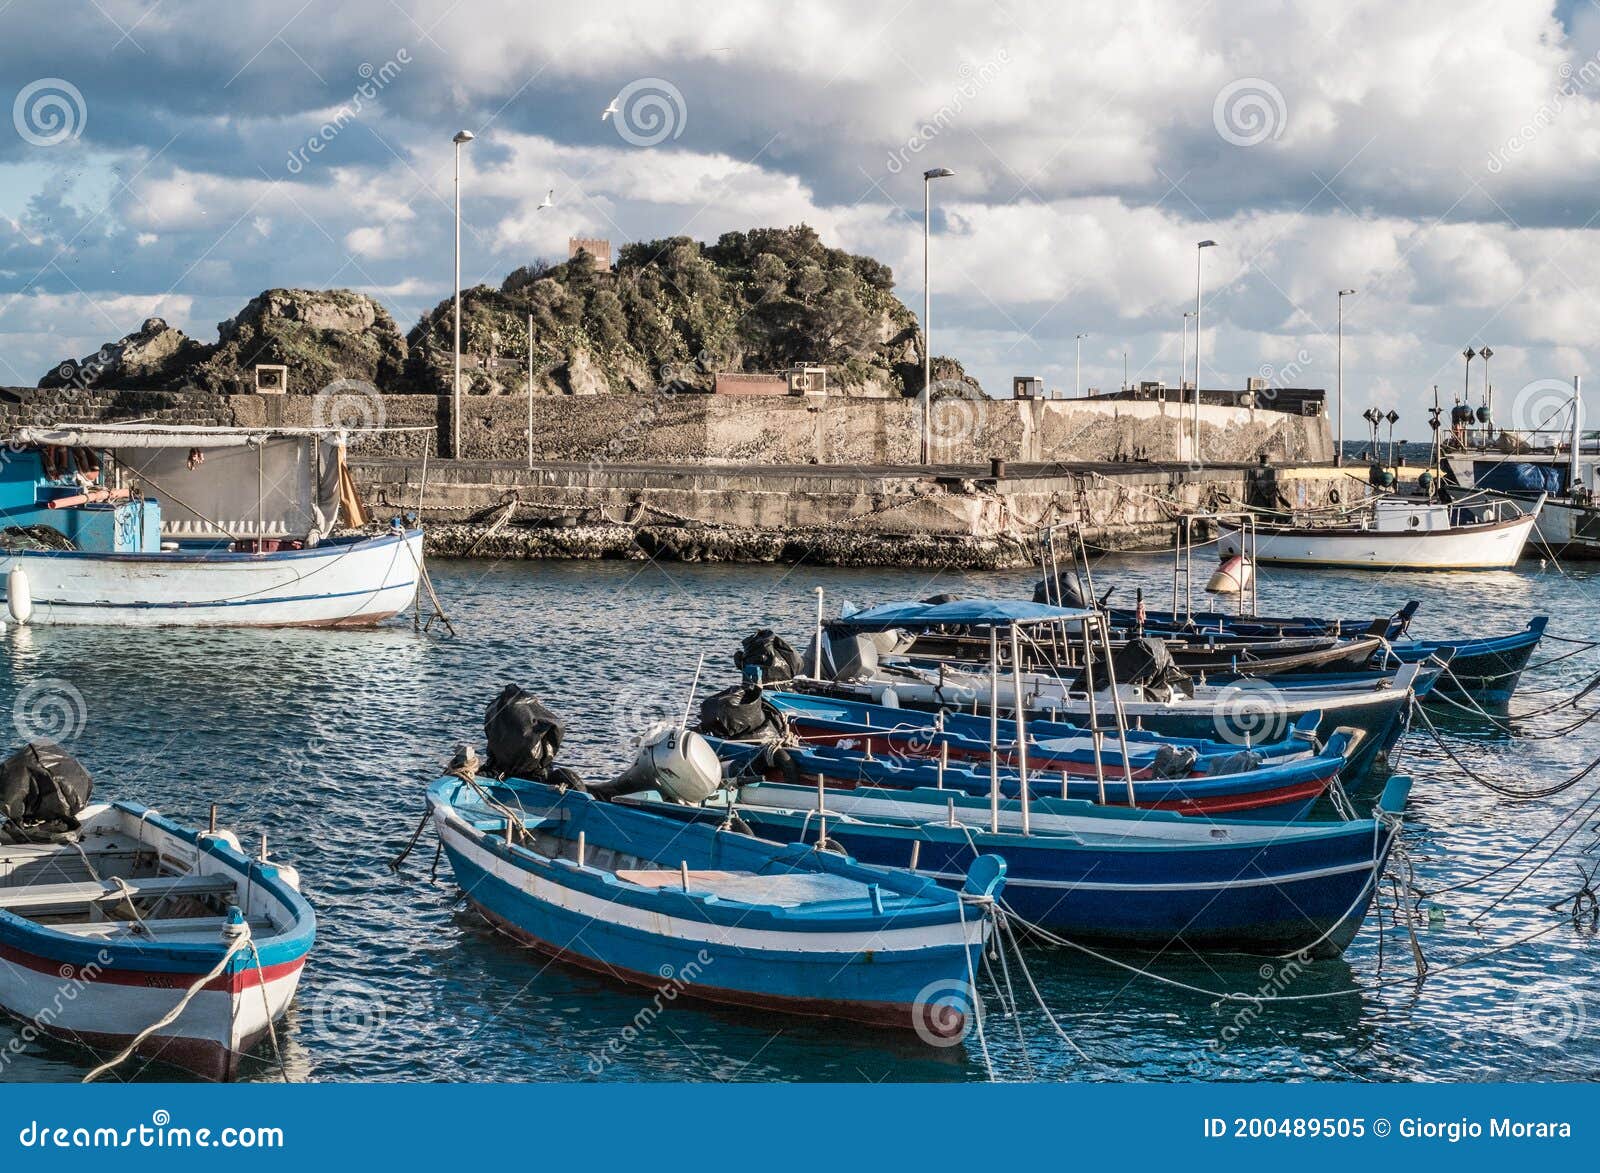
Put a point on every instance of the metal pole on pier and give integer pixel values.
(530, 392)
(1338, 419)
(1078, 378)
(1573, 476)
(1199, 252)
(927, 309)
(462, 136)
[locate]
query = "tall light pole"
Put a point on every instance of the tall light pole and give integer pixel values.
(1199, 252)
(462, 136)
(1488, 393)
(1338, 444)
(1079, 377)
(1183, 364)
(927, 308)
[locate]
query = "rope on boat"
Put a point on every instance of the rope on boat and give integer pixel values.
(236, 945)
(1508, 791)
(266, 1009)
(1222, 996)
(972, 985)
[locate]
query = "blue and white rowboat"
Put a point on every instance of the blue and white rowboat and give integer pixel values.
(103, 938)
(713, 914)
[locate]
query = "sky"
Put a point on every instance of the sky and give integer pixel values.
(1438, 157)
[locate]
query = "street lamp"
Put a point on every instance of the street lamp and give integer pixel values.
(1338, 449)
(1199, 252)
(1079, 377)
(1488, 394)
(927, 305)
(462, 136)
(1183, 363)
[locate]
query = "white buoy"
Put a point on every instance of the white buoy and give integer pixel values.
(1232, 576)
(19, 595)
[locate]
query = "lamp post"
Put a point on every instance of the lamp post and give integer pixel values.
(1078, 378)
(1466, 389)
(927, 307)
(1183, 363)
(1199, 252)
(462, 136)
(1488, 394)
(1338, 444)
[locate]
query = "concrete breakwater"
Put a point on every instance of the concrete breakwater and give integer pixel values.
(940, 517)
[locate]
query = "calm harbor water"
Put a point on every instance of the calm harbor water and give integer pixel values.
(325, 740)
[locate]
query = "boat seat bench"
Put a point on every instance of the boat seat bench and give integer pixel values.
(42, 898)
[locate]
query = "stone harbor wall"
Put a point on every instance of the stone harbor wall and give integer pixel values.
(697, 427)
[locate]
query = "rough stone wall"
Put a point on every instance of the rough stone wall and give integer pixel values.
(695, 428)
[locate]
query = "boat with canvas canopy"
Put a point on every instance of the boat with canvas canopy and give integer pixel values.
(144, 524)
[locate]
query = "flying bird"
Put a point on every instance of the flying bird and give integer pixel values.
(549, 201)
(611, 109)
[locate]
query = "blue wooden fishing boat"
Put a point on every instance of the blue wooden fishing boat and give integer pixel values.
(712, 914)
(1123, 878)
(107, 929)
(1052, 745)
(1281, 793)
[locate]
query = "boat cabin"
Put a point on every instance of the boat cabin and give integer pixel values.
(145, 489)
(1409, 517)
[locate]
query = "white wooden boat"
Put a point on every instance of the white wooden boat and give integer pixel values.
(1483, 532)
(106, 933)
(143, 525)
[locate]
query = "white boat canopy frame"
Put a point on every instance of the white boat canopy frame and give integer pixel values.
(216, 483)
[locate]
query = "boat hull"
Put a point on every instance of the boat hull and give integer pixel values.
(1496, 546)
(879, 975)
(335, 584)
(102, 992)
(1301, 890)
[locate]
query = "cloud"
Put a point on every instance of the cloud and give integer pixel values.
(1436, 158)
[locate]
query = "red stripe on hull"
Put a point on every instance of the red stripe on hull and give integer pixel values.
(230, 983)
(938, 1021)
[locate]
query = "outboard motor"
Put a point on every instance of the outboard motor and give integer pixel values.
(42, 790)
(676, 762)
(741, 713)
(1065, 593)
(853, 654)
(524, 736)
(1144, 664)
(771, 653)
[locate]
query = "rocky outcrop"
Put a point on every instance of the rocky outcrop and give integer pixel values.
(671, 314)
(153, 356)
(320, 335)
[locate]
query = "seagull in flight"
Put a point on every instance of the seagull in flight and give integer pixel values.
(611, 109)
(549, 201)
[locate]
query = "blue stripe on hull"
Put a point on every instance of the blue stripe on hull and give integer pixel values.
(1274, 918)
(879, 984)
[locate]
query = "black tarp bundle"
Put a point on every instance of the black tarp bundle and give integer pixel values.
(42, 789)
(523, 736)
(741, 713)
(771, 653)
